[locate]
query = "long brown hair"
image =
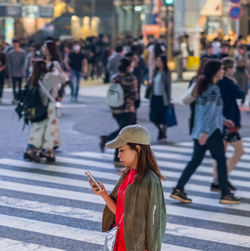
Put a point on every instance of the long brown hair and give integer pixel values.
(146, 160)
(53, 51)
(39, 69)
(211, 67)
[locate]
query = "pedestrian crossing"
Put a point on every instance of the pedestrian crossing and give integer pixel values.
(51, 206)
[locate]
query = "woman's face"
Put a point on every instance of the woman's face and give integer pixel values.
(219, 74)
(159, 63)
(128, 156)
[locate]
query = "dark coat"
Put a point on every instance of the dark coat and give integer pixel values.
(230, 92)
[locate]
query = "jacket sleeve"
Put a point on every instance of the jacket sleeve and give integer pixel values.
(156, 221)
(145, 216)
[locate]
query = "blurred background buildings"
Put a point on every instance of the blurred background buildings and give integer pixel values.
(82, 18)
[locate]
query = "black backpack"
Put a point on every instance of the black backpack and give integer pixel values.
(30, 106)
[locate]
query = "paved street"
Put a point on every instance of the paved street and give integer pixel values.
(51, 207)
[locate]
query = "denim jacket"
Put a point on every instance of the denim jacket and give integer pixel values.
(208, 112)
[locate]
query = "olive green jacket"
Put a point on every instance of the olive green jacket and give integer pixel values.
(144, 214)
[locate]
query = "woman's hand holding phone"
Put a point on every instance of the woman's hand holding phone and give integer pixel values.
(96, 190)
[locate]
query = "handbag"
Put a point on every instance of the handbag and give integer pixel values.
(189, 96)
(171, 119)
(110, 238)
(148, 92)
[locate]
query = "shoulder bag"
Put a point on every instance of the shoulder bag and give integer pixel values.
(189, 96)
(110, 238)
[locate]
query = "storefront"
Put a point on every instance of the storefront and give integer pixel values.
(23, 18)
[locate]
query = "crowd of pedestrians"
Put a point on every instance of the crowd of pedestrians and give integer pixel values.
(215, 116)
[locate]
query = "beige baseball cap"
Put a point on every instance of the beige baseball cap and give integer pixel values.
(131, 134)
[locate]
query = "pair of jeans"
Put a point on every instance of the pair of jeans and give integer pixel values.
(216, 147)
(123, 119)
(75, 78)
(16, 81)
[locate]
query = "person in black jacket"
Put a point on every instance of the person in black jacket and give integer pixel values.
(230, 92)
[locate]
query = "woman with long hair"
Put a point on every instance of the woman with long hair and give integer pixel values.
(160, 96)
(137, 202)
(45, 135)
(207, 133)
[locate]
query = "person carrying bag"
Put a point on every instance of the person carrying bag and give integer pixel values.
(137, 203)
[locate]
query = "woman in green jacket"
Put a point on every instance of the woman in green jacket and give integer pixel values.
(137, 202)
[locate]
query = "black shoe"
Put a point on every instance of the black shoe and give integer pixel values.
(178, 194)
(102, 143)
(50, 158)
(231, 187)
(215, 187)
(229, 199)
(28, 156)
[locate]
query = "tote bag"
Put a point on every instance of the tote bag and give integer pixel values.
(171, 119)
(189, 96)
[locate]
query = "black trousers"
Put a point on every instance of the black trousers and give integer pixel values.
(16, 81)
(122, 119)
(1, 85)
(216, 147)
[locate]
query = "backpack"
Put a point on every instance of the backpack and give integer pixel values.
(115, 95)
(30, 106)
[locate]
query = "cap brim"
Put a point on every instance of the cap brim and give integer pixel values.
(116, 143)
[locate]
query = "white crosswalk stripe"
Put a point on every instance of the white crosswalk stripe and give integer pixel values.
(55, 201)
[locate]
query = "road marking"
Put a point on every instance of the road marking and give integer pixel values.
(98, 174)
(85, 184)
(13, 245)
(173, 229)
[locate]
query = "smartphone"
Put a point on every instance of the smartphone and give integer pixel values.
(93, 179)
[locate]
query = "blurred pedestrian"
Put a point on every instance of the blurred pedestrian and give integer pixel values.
(53, 62)
(230, 92)
(45, 135)
(207, 133)
(137, 202)
(241, 73)
(114, 60)
(78, 63)
(16, 64)
(160, 96)
(126, 114)
(2, 73)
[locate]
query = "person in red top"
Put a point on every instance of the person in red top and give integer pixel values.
(137, 202)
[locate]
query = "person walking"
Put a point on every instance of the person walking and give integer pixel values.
(2, 73)
(160, 96)
(113, 61)
(16, 67)
(230, 92)
(241, 74)
(126, 114)
(45, 135)
(207, 133)
(137, 202)
(77, 62)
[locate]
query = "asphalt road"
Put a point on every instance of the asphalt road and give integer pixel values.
(51, 207)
